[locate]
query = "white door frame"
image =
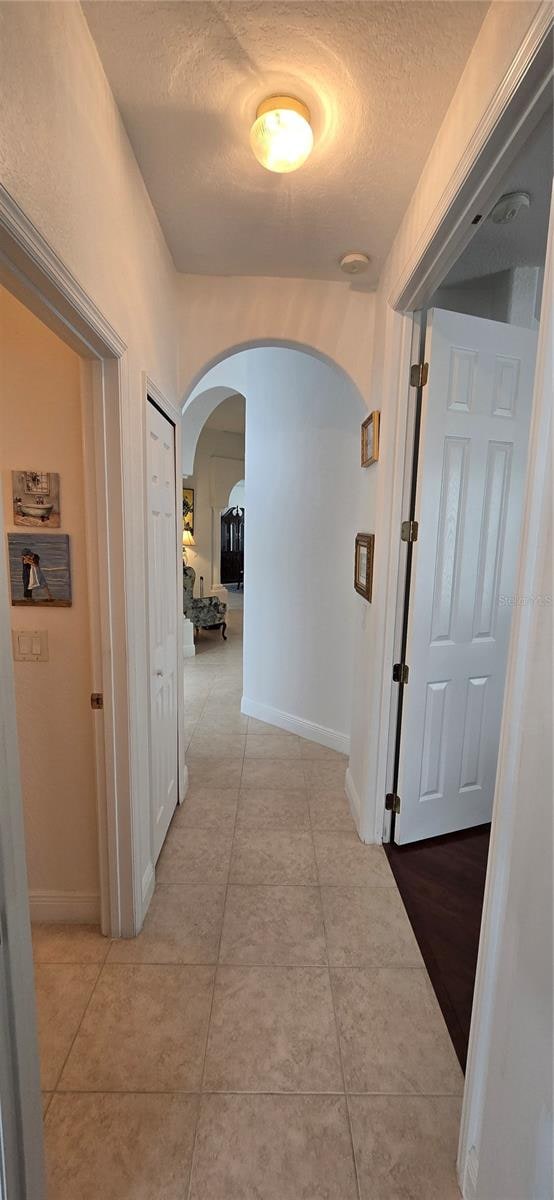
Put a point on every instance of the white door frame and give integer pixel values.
(150, 391)
(32, 271)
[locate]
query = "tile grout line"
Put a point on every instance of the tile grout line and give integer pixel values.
(203, 1073)
(333, 1004)
(74, 1039)
(199, 1094)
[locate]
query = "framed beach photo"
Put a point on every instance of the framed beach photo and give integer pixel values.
(370, 439)
(363, 564)
(36, 499)
(39, 569)
(188, 509)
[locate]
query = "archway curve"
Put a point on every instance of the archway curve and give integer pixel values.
(260, 344)
(303, 416)
(213, 385)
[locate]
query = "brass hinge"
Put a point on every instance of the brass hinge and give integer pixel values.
(392, 802)
(419, 374)
(96, 700)
(409, 531)
(400, 673)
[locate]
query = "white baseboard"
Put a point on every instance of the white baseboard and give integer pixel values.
(305, 729)
(353, 798)
(189, 651)
(148, 882)
(183, 782)
(73, 908)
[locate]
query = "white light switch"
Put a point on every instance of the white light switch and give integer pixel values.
(30, 645)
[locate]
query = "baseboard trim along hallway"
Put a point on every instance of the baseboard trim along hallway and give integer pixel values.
(70, 907)
(305, 729)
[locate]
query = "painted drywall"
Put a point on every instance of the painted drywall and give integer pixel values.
(237, 495)
(221, 314)
(304, 487)
(218, 465)
(512, 296)
(40, 428)
(515, 1137)
(66, 160)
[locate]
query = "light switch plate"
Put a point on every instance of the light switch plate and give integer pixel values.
(30, 645)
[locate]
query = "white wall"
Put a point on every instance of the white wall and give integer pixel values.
(67, 162)
(304, 486)
(218, 464)
(515, 1136)
(218, 315)
(40, 427)
(237, 496)
(512, 296)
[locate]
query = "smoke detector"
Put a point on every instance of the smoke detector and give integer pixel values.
(354, 264)
(509, 206)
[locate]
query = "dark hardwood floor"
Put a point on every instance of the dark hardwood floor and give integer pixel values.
(441, 882)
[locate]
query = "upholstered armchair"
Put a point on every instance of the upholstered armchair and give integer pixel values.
(208, 612)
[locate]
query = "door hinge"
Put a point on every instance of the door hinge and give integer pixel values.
(419, 374)
(96, 700)
(400, 673)
(409, 531)
(392, 802)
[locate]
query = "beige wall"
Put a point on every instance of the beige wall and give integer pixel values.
(40, 427)
(66, 160)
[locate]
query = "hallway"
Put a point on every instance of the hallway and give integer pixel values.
(272, 1033)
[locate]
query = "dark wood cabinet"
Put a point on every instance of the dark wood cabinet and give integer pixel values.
(232, 546)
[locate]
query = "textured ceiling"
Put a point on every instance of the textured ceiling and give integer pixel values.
(522, 243)
(377, 77)
(229, 416)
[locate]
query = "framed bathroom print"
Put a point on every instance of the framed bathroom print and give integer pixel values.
(370, 439)
(36, 499)
(363, 564)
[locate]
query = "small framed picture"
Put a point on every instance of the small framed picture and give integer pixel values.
(370, 439)
(39, 569)
(36, 499)
(188, 509)
(363, 564)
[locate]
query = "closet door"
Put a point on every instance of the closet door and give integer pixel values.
(162, 570)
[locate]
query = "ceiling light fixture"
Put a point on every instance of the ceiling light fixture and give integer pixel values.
(281, 136)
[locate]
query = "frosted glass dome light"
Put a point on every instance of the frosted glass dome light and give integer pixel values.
(281, 136)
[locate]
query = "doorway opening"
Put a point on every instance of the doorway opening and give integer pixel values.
(67, 848)
(232, 540)
(468, 432)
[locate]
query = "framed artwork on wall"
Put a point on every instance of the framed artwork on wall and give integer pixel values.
(363, 564)
(36, 499)
(40, 569)
(188, 509)
(370, 439)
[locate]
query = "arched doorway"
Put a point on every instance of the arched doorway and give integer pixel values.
(304, 485)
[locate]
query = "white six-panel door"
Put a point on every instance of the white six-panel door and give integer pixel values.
(162, 571)
(473, 447)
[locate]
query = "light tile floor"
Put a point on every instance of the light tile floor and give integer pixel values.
(272, 1033)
